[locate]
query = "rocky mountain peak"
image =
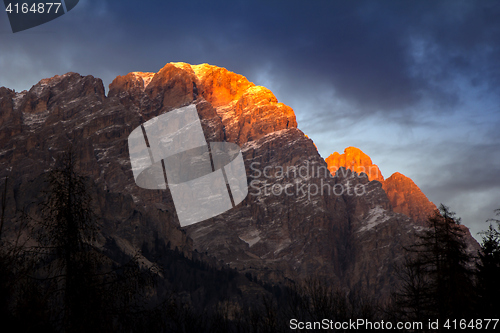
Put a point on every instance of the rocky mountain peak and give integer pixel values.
(407, 198)
(404, 195)
(356, 160)
(58, 90)
(247, 111)
(220, 86)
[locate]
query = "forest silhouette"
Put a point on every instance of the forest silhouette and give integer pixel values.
(55, 278)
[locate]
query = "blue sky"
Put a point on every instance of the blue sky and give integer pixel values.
(414, 84)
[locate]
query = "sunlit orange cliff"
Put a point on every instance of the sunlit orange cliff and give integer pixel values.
(405, 196)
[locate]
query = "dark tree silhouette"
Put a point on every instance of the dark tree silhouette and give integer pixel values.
(3, 205)
(87, 290)
(436, 277)
(488, 271)
(69, 265)
(21, 303)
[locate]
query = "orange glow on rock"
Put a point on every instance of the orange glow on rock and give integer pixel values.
(355, 160)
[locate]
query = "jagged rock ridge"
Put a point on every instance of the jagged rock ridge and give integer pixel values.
(405, 197)
(354, 159)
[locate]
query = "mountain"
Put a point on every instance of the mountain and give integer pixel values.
(354, 159)
(404, 195)
(297, 221)
(407, 198)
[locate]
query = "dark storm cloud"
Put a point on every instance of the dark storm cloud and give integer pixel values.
(391, 58)
(469, 182)
(366, 51)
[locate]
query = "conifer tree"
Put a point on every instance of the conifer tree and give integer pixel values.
(65, 235)
(436, 278)
(488, 271)
(93, 293)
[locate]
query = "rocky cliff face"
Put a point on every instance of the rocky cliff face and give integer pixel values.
(403, 195)
(407, 198)
(298, 219)
(354, 159)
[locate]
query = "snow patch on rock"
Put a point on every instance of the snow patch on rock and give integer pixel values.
(18, 99)
(35, 119)
(251, 238)
(376, 216)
